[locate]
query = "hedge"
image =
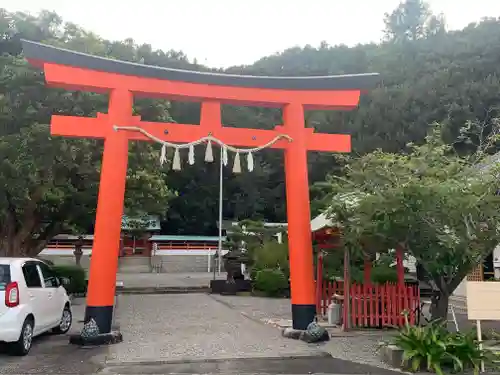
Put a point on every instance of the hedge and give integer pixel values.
(272, 282)
(76, 276)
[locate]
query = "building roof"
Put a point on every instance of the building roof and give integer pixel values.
(321, 221)
(325, 220)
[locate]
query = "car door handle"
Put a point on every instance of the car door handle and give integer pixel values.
(50, 295)
(31, 296)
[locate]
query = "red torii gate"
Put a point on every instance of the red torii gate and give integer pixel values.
(124, 80)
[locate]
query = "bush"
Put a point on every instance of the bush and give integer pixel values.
(432, 347)
(272, 282)
(76, 276)
(382, 274)
(465, 347)
(272, 255)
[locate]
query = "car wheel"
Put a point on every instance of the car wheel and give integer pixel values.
(22, 346)
(65, 323)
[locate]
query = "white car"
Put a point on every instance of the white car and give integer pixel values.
(32, 301)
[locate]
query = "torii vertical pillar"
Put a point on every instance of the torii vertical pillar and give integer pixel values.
(110, 200)
(299, 219)
(122, 81)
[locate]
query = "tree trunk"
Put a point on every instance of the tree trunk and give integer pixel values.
(439, 307)
(11, 247)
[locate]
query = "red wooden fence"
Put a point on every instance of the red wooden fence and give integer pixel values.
(374, 305)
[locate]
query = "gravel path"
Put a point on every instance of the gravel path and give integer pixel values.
(357, 346)
(258, 307)
(173, 327)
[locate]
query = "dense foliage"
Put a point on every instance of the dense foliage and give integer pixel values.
(438, 206)
(265, 257)
(428, 75)
(48, 185)
(76, 277)
(383, 268)
(271, 281)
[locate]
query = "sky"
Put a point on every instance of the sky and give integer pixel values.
(223, 33)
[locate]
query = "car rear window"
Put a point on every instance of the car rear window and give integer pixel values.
(4, 276)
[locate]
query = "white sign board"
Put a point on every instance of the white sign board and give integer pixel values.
(483, 300)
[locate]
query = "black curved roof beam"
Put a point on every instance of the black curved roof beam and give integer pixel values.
(45, 53)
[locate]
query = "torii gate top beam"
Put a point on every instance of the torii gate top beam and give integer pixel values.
(72, 70)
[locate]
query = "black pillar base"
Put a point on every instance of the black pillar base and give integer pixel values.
(104, 339)
(302, 316)
(103, 316)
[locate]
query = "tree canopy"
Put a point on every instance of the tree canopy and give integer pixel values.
(49, 184)
(429, 75)
(436, 205)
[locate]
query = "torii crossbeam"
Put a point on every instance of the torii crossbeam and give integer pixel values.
(124, 80)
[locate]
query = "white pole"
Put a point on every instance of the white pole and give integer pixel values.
(219, 249)
(480, 340)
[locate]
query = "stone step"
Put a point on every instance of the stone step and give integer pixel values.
(134, 269)
(162, 290)
(134, 264)
(135, 261)
(181, 263)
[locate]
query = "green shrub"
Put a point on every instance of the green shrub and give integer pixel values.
(465, 348)
(272, 282)
(433, 348)
(76, 276)
(382, 274)
(272, 255)
(423, 347)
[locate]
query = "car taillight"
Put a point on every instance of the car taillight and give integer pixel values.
(12, 295)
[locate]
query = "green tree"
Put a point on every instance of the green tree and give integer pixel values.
(48, 185)
(439, 207)
(250, 234)
(412, 20)
(450, 78)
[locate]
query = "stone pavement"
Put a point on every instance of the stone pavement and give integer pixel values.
(193, 326)
(255, 366)
(191, 333)
(356, 346)
(205, 334)
(200, 333)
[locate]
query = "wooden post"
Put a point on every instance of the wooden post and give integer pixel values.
(319, 285)
(399, 266)
(347, 292)
(367, 272)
